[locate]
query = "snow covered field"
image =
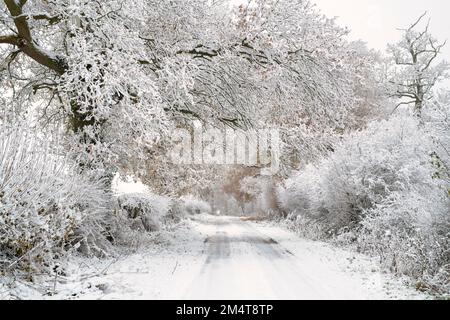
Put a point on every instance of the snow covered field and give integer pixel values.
(212, 257)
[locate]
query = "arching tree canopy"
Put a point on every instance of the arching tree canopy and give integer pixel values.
(119, 74)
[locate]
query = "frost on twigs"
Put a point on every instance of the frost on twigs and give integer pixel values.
(385, 191)
(144, 211)
(44, 202)
(416, 69)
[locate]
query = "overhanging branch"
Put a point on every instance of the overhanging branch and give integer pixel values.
(25, 42)
(9, 39)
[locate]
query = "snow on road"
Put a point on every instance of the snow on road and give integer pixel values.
(245, 260)
(227, 258)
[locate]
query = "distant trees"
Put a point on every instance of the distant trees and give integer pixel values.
(234, 186)
(416, 67)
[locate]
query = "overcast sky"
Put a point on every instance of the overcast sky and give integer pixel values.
(376, 21)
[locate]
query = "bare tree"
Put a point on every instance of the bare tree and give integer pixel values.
(416, 71)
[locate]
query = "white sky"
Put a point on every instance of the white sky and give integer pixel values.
(376, 21)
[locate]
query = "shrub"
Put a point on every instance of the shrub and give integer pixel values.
(144, 211)
(43, 201)
(384, 191)
(363, 171)
(193, 205)
(410, 232)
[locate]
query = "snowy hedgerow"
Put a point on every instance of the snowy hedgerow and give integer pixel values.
(368, 166)
(194, 205)
(300, 200)
(437, 118)
(299, 193)
(411, 229)
(383, 189)
(410, 232)
(144, 211)
(389, 156)
(43, 201)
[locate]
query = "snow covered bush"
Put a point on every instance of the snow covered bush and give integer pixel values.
(410, 232)
(43, 202)
(300, 201)
(368, 166)
(437, 118)
(144, 211)
(194, 205)
(297, 195)
(141, 218)
(390, 156)
(262, 193)
(382, 190)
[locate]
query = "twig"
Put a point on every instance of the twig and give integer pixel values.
(23, 256)
(54, 282)
(109, 266)
(175, 268)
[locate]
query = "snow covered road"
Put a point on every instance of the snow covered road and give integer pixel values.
(211, 257)
(243, 263)
(245, 260)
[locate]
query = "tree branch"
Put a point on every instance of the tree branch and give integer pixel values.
(50, 19)
(20, 20)
(436, 50)
(9, 39)
(415, 23)
(25, 42)
(401, 104)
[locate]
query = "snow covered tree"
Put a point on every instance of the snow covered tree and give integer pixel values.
(266, 64)
(416, 69)
(234, 186)
(81, 61)
(118, 74)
